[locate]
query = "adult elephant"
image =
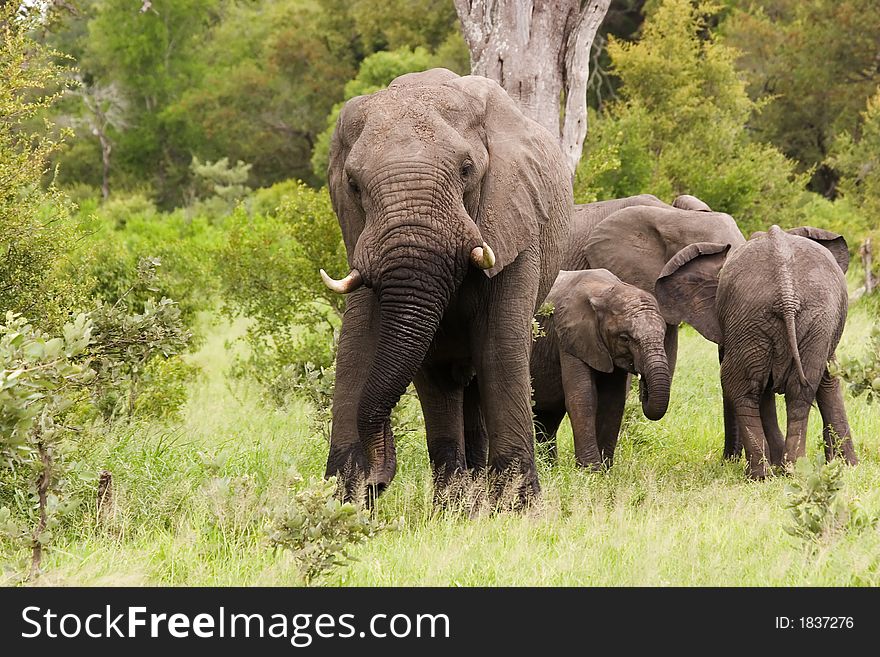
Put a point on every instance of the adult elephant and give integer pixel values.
(454, 209)
(635, 242)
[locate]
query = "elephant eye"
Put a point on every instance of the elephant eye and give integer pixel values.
(467, 167)
(353, 186)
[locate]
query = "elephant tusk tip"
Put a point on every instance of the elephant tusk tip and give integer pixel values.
(483, 256)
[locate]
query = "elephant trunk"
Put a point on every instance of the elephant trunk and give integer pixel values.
(409, 315)
(655, 381)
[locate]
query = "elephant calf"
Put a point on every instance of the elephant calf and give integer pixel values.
(777, 306)
(600, 331)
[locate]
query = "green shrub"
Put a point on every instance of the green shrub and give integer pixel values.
(862, 373)
(319, 530)
(269, 273)
(37, 233)
(681, 126)
(164, 383)
(814, 500)
(41, 377)
(124, 345)
(128, 229)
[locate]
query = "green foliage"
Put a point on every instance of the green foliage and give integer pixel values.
(124, 344)
(270, 275)
(128, 230)
(40, 378)
(862, 373)
(817, 507)
(320, 531)
(220, 182)
(814, 64)
(375, 73)
(856, 157)
(680, 126)
(36, 230)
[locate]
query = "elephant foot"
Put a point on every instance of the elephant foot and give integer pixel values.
(349, 467)
(510, 490)
(591, 466)
(733, 452)
(759, 472)
(846, 451)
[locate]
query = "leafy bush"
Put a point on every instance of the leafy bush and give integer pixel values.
(862, 374)
(320, 531)
(128, 230)
(124, 344)
(681, 126)
(164, 388)
(36, 230)
(815, 502)
(857, 158)
(218, 186)
(270, 274)
(40, 378)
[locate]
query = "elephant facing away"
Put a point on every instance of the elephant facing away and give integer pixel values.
(634, 243)
(600, 331)
(778, 306)
(454, 209)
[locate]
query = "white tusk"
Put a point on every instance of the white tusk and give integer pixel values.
(345, 285)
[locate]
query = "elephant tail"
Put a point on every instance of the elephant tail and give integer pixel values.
(788, 317)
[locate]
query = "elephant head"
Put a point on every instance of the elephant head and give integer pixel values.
(688, 285)
(434, 179)
(688, 202)
(607, 323)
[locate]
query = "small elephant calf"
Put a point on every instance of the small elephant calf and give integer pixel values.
(600, 331)
(777, 306)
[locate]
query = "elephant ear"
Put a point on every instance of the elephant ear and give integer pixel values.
(526, 182)
(687, 286)
(348, 210)
(831, 241)
(577, 306)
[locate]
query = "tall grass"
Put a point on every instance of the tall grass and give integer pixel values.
(192, 502)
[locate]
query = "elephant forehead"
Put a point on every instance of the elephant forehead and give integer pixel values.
(414, 104)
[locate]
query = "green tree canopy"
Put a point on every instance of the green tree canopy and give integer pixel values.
(680, 126)
(816, 62)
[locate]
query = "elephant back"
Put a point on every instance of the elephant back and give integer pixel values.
(588, 215)
(635, 243)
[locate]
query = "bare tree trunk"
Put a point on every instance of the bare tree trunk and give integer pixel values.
(539, 51)
(106, 147)
(42, 494)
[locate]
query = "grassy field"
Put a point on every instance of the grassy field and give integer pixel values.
(192, 501)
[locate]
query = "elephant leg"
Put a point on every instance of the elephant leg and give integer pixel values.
(745, 396)
(797, 410)
(347, 459)
(476, 440)
(835, 426)
(611, 389)
(581, 401)
(748, 416)
(500, 347)
(732, 442)
(442, 406)
(775, 439)
(546, 425)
